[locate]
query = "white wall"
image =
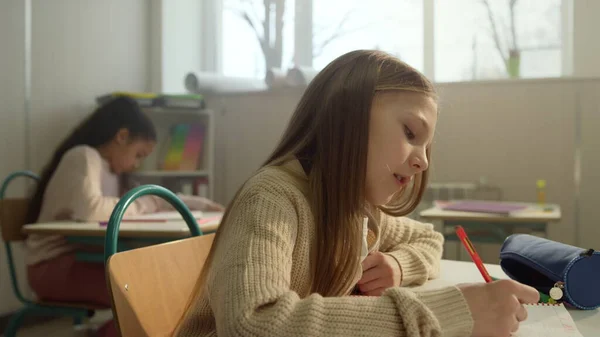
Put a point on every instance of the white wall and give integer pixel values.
(80, 49)
(589, 195)
(586, 44)
(248, 127)
(182, 42)
(12, 84)
(514, 133)
(12, 123)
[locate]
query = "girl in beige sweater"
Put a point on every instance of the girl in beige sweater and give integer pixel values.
(322, 221)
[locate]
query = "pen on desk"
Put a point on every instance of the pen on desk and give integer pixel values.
(462, 235)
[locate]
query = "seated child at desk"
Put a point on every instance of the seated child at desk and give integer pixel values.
(322, 220)
(83, 182)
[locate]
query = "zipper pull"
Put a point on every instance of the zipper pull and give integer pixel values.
(557, 291)
(587, 253)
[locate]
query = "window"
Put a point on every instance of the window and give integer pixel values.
(244, 28)
(394, 26)
(490, 39)
(450, 40)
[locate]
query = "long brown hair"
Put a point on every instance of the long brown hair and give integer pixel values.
(329, 130)
(97, 129)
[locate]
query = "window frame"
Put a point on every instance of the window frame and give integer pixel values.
(303, 12)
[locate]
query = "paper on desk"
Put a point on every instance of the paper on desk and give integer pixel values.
(545, 320)
(163, 216)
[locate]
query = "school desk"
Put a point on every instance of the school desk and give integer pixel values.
(146, 229)
(131, 234)
(493, 228)
(456, 272)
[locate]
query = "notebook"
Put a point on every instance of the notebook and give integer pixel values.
(547, 320)
(484, 207)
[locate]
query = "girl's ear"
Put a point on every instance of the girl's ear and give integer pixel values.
(122, 136)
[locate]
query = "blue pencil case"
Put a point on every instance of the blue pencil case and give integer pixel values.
(566, 273)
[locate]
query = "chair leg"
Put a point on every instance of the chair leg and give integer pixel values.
(15, 323)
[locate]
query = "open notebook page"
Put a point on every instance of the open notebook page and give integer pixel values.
(545, 320)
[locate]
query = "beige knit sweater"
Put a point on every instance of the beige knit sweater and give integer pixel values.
(259, 281)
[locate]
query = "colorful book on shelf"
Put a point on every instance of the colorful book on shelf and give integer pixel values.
(176, 147)
(192, 148)
(184, 147)
(478, 206)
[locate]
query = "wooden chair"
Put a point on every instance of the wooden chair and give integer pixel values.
(151, 286)
(13, 212)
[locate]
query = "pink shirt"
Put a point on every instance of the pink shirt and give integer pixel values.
(84, 188)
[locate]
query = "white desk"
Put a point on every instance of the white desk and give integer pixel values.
(134, 234)
(492, 228)
(455, 272)
(171, 229)
(531, 214)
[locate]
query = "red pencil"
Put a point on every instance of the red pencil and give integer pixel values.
(462, 235)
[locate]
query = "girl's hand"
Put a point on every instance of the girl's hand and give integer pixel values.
(497, 307)
(380, 272)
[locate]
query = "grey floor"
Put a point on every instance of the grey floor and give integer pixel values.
(63, 327)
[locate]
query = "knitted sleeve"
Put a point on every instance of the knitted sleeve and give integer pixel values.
(416, 246)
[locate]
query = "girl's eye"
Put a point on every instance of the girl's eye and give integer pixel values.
(409, 134)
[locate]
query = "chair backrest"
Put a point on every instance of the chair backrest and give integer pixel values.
(151, 286)
(12, 218)
(13, 211)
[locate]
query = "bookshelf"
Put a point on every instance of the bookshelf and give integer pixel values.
(201, 180)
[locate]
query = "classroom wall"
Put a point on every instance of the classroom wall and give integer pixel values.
(589, 194)
(181, 52)
(512, 132)
(80, 49)
(586, 45)
(247, 129)
(12, 84)
(12, 124)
